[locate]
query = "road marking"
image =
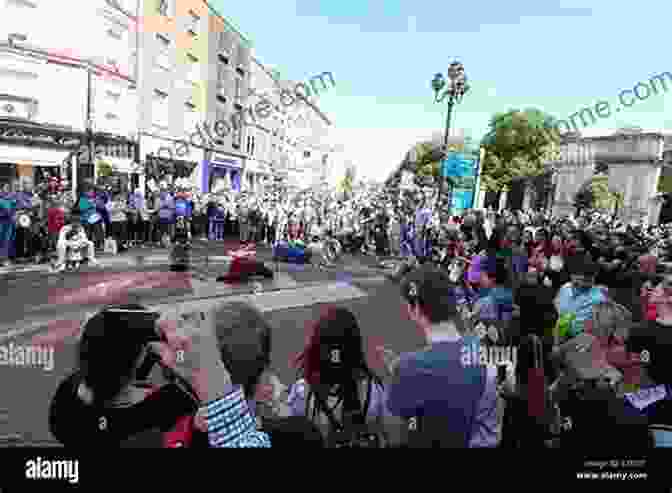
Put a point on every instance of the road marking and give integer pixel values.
(275, 300)
(281, 299)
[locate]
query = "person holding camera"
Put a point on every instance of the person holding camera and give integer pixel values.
(107, 402)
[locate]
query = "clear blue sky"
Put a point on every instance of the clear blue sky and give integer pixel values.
(557, 55)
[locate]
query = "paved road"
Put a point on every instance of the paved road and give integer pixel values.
(290, 302)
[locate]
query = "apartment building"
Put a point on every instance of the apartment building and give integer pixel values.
(265, 136)
(41, 127)
(97, 46)
(173, 80)
(227, 104)
(308, 135)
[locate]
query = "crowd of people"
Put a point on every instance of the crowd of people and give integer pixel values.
(575, 310)
(32, 220)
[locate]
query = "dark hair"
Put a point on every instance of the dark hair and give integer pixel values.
(432, 290)
(244, 339)
(335, 355)
(335, 330)
(582, 264)
(109, 350)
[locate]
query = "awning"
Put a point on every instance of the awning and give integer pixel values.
(32, 155)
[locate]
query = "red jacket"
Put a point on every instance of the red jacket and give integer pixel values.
(55, 219)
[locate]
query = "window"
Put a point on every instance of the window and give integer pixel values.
(160, 109)
(32, 4)
(114, 33)
(163, 7)
(163, 52)
(250, 145)
(238, 89)
(115, 96)
(194, 69)
(164, 42)
(237, 137)
(194, 23)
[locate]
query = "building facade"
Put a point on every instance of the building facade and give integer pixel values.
(40, 128)
(113, 101)
(263, 138)
(96, 50)
(227, 106)
(634, 161)
(173, 84)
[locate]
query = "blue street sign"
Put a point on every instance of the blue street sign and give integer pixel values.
(457, 165)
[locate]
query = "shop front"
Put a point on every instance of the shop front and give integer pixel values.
(114, 162)
(35, 152)
(164, 164)
(222, 173)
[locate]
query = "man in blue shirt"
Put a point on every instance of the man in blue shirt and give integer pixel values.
(447, 403)
(577, 298)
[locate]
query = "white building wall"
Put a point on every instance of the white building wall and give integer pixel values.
(60, 91)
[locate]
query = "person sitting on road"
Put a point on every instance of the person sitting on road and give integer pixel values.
(73, 236)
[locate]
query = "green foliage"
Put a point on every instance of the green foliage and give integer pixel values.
(518, 144)
(665, 182)
(428, 161)
(596, 194)
(104, 169)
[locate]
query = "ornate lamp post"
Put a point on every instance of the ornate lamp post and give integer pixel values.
(454, 90)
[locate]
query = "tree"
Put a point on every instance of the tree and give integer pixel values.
(518, 144)
(595, 193)
(346, 184)
(104, 169)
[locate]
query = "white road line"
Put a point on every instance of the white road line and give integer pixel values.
(265, 302)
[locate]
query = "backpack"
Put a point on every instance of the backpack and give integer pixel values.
(354, 431)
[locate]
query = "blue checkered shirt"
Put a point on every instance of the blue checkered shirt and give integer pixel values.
(231, 424)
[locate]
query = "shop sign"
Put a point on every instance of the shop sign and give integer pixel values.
(121, 150)
(17, 137)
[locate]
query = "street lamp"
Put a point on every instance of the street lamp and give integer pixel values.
(454, 89)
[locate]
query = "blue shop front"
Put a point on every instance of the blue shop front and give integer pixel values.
(222, 173)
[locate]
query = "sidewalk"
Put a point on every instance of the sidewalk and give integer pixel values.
(202, 252)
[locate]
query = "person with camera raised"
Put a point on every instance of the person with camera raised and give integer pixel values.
(107, 401)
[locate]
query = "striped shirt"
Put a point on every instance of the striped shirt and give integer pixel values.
(231, 424)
